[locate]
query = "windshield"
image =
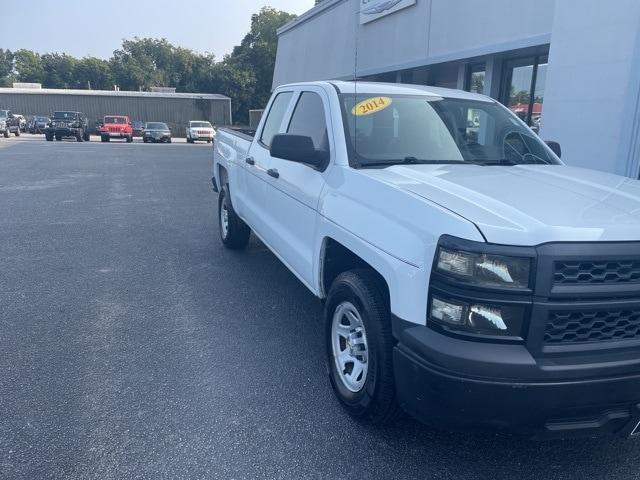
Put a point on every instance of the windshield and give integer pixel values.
(65, 115)
(156, 126)
(201, 125)
(121, 120)
(389, 129)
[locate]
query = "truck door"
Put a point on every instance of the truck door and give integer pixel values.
(258, 160)
(293, 189)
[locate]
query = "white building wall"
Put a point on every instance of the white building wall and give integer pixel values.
(593, 85)
(321, 44)
(458, 29)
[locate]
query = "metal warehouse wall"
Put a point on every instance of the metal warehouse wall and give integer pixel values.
(175, 109)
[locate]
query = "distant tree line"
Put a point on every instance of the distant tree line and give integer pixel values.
(245, 75)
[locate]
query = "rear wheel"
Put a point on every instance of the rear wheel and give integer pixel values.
(359, 346)
(234, 233)
(18, 132)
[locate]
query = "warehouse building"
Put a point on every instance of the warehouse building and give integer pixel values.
(174, 109)
(570, 69)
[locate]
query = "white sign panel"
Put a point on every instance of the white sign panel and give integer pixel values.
(373, 9)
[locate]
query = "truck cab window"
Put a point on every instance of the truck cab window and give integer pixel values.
(274, 119)
(309, 119)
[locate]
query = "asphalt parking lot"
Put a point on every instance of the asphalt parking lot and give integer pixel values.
(134, 345)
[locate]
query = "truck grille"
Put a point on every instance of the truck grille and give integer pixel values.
(587, 294)
(592, 326)
(603, 272)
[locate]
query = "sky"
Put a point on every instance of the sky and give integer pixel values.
(81, 28)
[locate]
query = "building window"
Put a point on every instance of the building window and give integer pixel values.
(475, 82)
(523, 90)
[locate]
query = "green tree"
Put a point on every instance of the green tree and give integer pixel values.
(60, 71)
(28, 66)
(6, 67)
(94, 74)
(257, 52)
(236, 84)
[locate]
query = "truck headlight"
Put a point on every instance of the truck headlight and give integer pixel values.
(478, 318)
(484, 269)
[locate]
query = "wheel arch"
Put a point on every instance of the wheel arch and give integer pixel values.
(336, 258)
(222, 175)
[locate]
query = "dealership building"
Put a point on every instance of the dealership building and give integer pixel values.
(569, 68)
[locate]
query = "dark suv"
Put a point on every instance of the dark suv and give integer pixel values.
(9, 124)
(68, 124)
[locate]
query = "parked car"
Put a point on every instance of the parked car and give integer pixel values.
(156, 132)
(67, 124)
(116, 126)
(98, 123)
(38, 123)
(9, 123)
(137, 127)
(199, 130)
(22, 122)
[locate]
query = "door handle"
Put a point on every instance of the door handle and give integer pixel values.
(250, 160)
(272, 172)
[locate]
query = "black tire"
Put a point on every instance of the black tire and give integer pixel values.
(48, 137)
(78, 136)
(169, 141)
(359, 346)
(86, 136)
(234, 233)
(58, 137)
(6, 133)
(104, 138)
(189, 140)
(17, 132)
(129, 139)
(144, 140)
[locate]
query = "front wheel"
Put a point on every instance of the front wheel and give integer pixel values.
(17, 132)
(359, 346)
(234, 233)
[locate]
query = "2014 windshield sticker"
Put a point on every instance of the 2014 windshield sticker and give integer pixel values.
(371, 105)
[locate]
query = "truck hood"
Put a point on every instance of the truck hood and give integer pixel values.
(529, 205)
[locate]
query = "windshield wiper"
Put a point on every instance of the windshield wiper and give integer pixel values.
(409, 160)
(502, 161)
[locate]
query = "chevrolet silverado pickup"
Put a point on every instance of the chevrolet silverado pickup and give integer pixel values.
(468, 276)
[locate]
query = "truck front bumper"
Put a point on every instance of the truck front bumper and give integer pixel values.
(65, 132)
(502, 386)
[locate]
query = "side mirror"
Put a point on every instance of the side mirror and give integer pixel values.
(298, 148)
(555, 147)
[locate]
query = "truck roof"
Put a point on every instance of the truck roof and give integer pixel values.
(378, 88)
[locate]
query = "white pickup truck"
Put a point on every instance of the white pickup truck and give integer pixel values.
(467, 275)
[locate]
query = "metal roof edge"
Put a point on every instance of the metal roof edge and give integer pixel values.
(113, 93)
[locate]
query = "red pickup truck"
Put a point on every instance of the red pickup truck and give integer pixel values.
(116, 126)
